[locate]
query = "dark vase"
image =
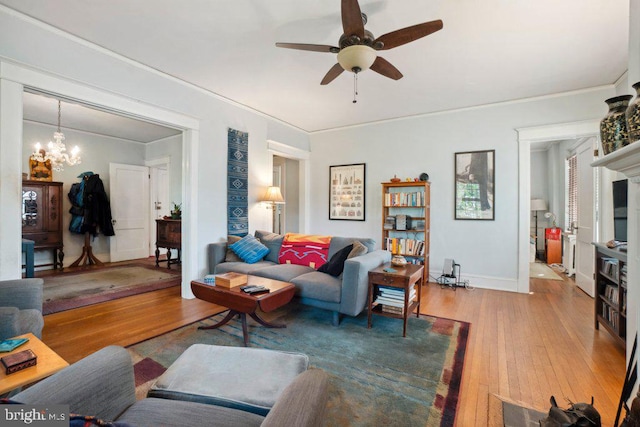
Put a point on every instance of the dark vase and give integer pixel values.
(633, 116)
(613, 128)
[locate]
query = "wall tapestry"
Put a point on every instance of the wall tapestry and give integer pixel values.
(475, 182)
(346, 192)
(237, 175)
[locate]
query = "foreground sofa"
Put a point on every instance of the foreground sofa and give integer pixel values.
(21, 307)
(102, 385)
(345, 294)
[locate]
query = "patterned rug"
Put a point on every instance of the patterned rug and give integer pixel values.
(237, 176)
(78, 289)
(377, 377)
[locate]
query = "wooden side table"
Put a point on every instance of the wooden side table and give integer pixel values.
(404, 278)
(48, 364)
(169, 236)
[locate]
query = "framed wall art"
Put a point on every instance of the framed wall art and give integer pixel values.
(346, 192)
(475, 185)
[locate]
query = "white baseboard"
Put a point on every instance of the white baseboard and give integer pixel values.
(483, 282)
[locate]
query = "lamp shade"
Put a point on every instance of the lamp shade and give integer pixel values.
(357, 58)
(538, 205)
(273, 195)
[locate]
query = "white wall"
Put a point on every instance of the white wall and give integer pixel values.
(35, 46)
(486, 250)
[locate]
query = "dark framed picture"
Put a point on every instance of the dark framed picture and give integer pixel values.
(346, 192)
(475, 185)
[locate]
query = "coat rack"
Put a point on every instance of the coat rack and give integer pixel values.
(87, 257)
(100, 220)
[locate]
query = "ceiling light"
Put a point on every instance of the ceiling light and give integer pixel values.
(357, 58)
(57, 151)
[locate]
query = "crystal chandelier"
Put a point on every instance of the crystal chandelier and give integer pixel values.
(57, 151)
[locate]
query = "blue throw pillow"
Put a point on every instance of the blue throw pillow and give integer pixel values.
(249, 249)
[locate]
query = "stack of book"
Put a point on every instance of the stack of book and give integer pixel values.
(391, 300)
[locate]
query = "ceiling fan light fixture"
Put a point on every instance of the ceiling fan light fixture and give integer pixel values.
(357, 58)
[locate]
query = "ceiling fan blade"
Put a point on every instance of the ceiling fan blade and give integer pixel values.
(409, 34)
(384, 67)
(352, 24)
(334, 72)
(311, 47)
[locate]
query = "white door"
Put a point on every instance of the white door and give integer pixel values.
(585, 233)
(129, 186)
(160, 203)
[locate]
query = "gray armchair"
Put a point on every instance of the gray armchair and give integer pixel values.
(21, 307)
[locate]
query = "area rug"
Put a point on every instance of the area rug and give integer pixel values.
(509, 413)
(538, 270)
(377, 377)
(73, 290)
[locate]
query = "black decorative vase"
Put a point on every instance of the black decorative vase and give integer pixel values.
(633, 116)
(613, 128)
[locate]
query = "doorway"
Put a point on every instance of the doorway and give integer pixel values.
(286, 175)
(554, 197)
(527, 137)
(59, 88)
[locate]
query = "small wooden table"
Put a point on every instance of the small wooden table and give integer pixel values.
(168, 236)
(48, 364)
(241, 304)
(403, 278)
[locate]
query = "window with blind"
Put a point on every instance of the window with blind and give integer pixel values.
(571, 216)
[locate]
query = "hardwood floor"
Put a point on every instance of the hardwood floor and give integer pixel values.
(524, 347)
(529, 347)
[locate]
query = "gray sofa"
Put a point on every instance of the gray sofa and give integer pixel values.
(21, 307)
(103, 385)
(345, 294)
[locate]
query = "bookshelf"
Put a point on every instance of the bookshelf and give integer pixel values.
(611, 287)
(408, 238)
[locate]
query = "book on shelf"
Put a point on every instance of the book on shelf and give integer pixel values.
(412, 199)
(405, 246)
(610, 267)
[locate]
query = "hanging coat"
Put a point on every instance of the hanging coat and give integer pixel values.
(97, 210)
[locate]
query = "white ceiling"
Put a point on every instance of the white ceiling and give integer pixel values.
(488, 51)
(43, 109)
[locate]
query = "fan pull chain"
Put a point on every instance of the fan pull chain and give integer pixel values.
(355, 87)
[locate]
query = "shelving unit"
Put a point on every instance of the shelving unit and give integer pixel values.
(413, 200)
(611, 286)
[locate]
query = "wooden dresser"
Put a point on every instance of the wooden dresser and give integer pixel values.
(169, 236)
(42, 217)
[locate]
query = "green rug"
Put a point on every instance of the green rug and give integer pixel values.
(377, 377)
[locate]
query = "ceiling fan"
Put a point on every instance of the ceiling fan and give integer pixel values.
(358, 47)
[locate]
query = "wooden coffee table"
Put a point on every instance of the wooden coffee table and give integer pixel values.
(48, 364)
(241, 304)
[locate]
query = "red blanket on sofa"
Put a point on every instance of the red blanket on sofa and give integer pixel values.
(304, 249)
